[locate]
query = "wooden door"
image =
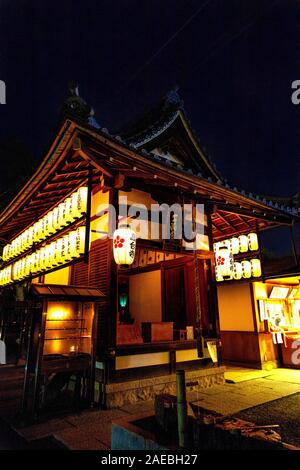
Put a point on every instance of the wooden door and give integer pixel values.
(174, 296)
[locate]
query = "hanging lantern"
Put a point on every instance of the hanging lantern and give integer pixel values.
(50, 227)
(67, 244)
(80, 241)
(71, 251)
(219, 277)
(4, 254)
(82, 200)
(48, 261)
(277, 338)
(68, 205)
(243, 241)
(246, 266)
(224, 262)
(253, 241)
(62, 215)
(124, 245)
(235, 245)
(255, 267)
(237, 271)
(54, 254)
(30, 236)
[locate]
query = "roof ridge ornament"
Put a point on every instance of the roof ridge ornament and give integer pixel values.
(76, 107)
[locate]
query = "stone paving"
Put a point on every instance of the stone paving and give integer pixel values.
(91, 430)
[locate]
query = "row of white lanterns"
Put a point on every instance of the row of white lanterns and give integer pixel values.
(71, 209)
(57, 253)
(240, 244)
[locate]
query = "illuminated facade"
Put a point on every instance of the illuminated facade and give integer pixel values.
(119, 304)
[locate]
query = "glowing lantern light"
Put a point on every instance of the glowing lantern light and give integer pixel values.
(50, 228)
(224, 262)
(253, 241)
(235, 245)
(69, 216)
(243, 240)
(62, 215)
(47, 262)
(80, 241)
(255, 267)
(277, 338)
(68, 251)
(4, 254)
(124, 245)
(53, 254)
(237, 271)
(82, 200)
(71, 252)
(246, 266)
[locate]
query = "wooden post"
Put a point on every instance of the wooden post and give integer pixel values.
(181, 409)
(113, 300)
(213, 285)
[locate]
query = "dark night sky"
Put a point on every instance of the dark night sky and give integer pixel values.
(234, 63)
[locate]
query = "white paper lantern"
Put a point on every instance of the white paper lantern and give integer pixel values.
(62, 215)
(247, 271)
(237, 271)
(48, 260)
(124, 245)
(49, 224)
(80, 241)
(69, 215)
(253, 241)
(224, 262)
(55, 219)
(82, 199)
(243, 241)
(68, 251)
(255, 267)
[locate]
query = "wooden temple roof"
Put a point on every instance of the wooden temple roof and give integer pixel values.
(82, 147)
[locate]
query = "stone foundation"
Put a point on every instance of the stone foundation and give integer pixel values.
(129, 392)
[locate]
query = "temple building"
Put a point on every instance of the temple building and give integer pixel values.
(106, 300)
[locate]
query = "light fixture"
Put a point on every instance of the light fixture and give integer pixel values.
(235, 245)
(246, 267)
(224, 262)
(237, 271)
(124, 245)
(255, 267)
(243, 241)
(253, 241)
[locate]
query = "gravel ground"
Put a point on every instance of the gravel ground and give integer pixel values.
(284, 411)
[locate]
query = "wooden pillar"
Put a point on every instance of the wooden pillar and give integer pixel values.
(110, 353)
